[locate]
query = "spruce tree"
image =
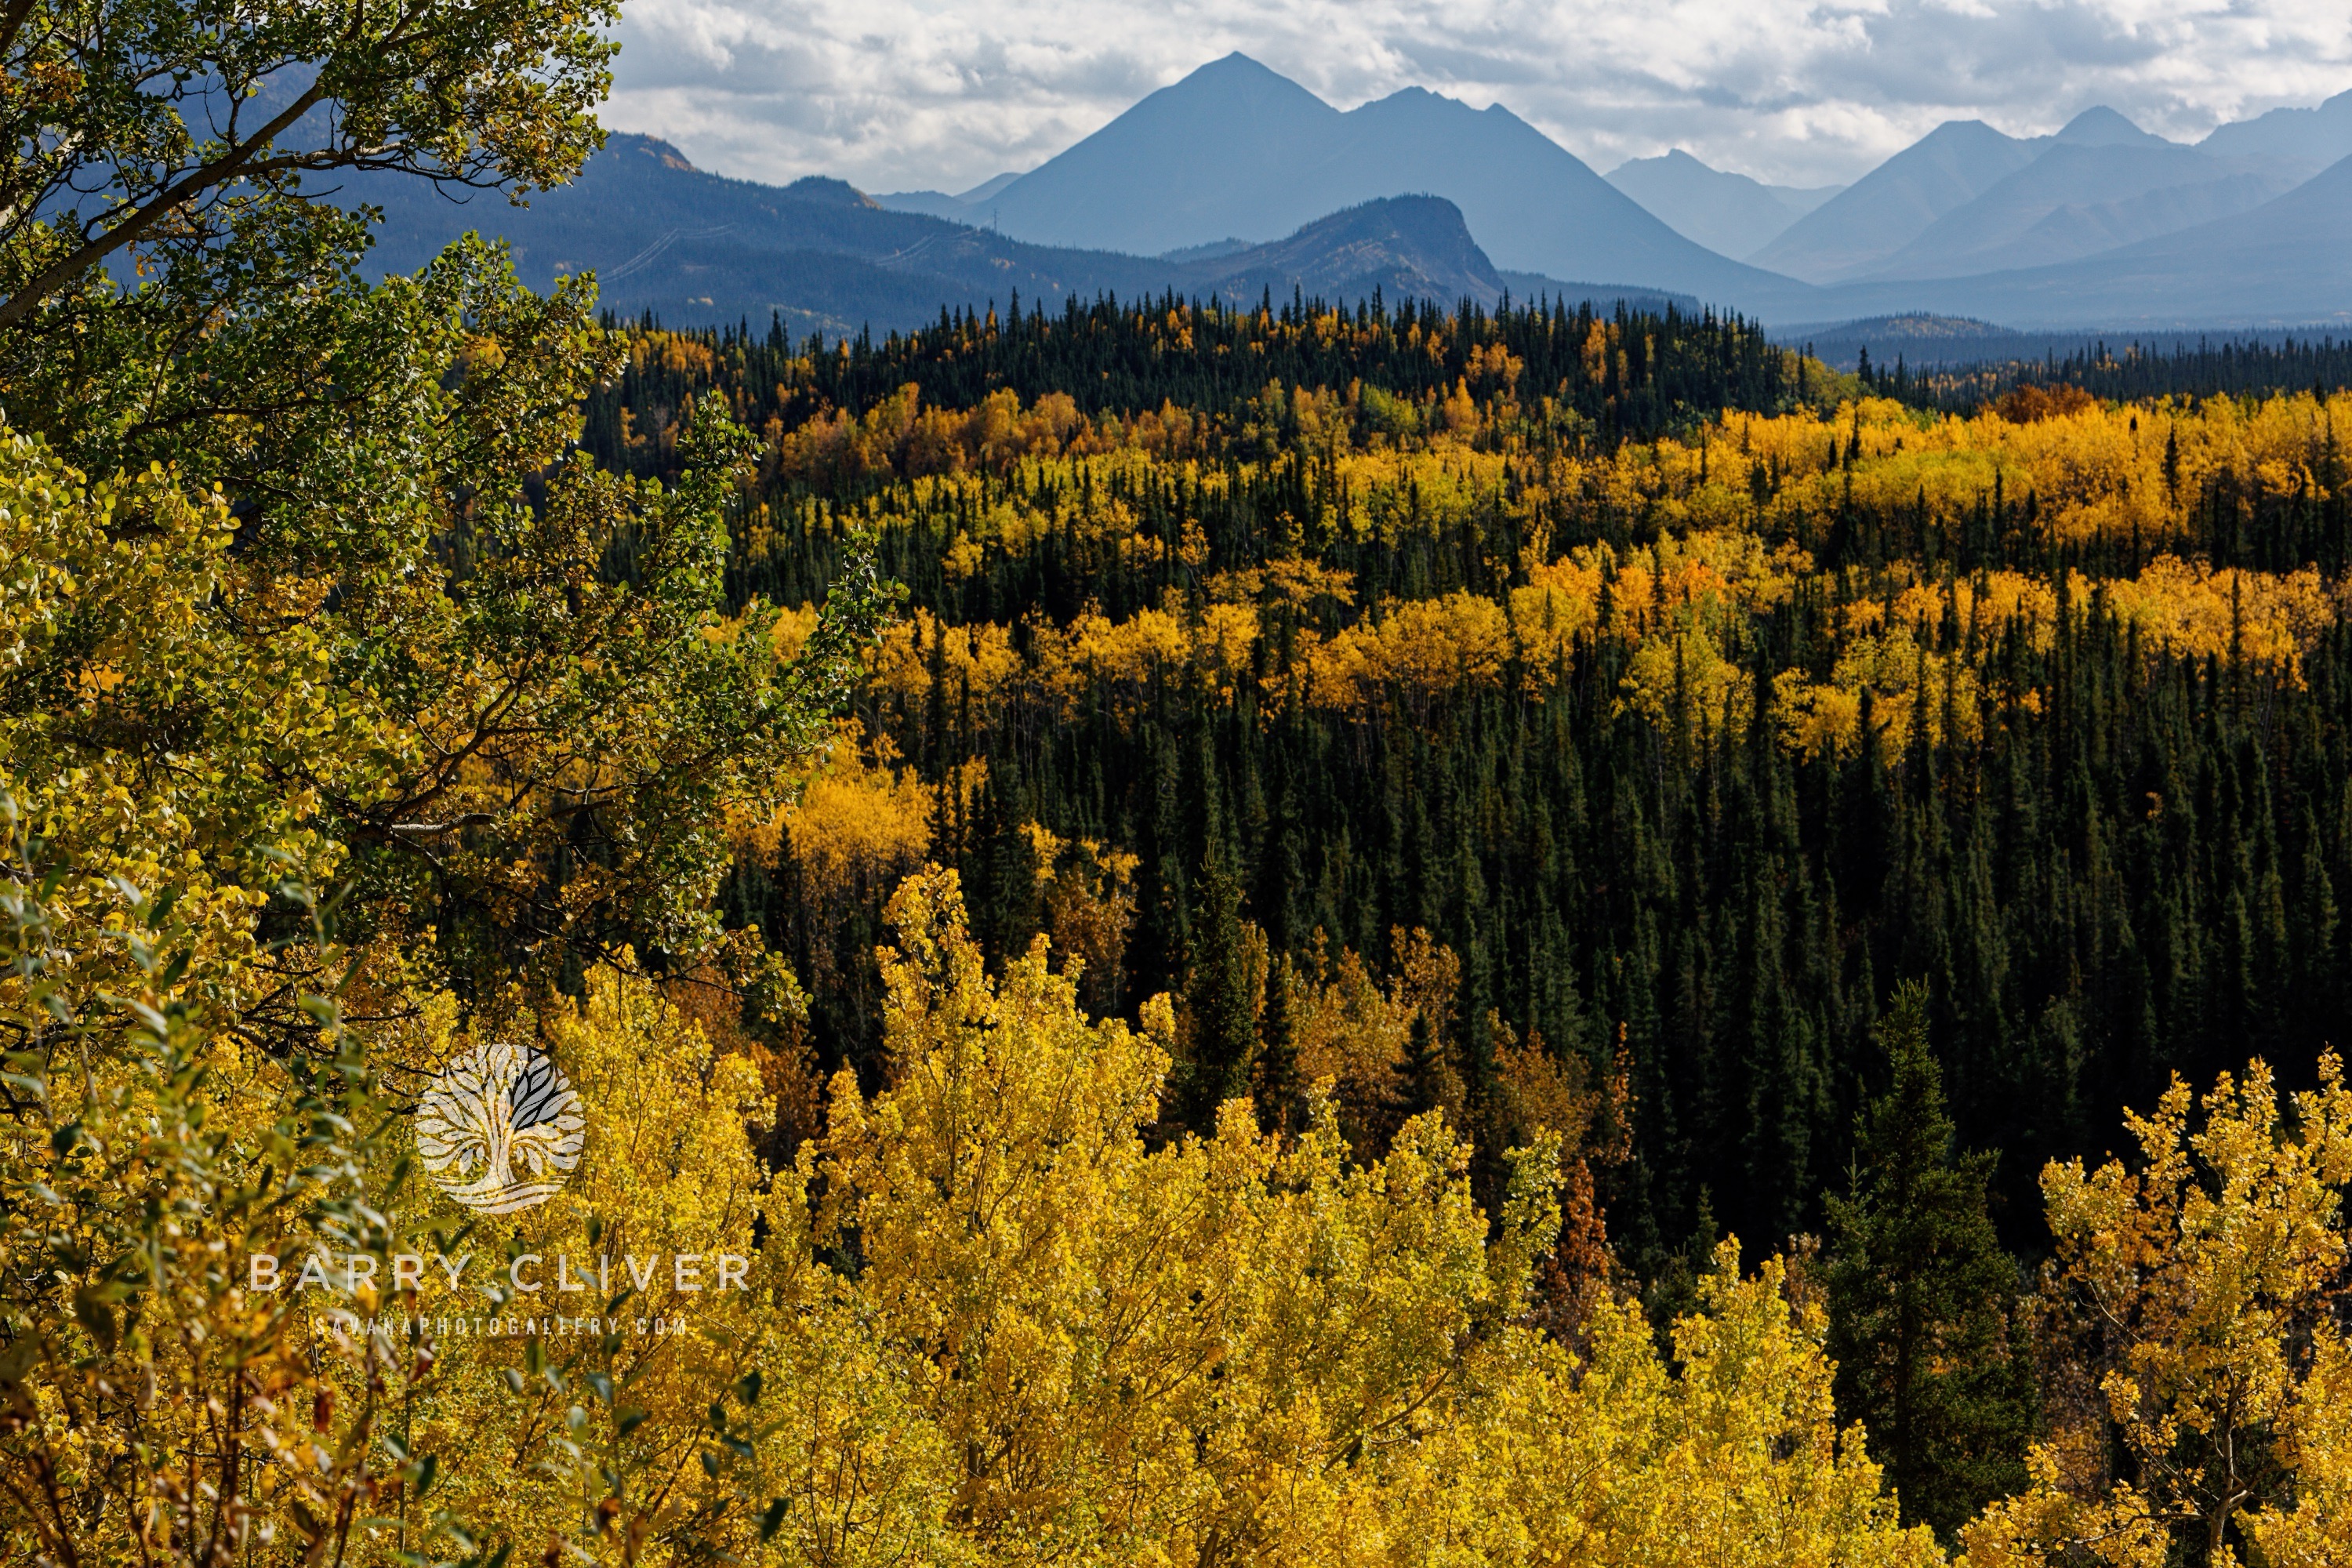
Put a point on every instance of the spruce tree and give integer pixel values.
(1279, 1091)
(1222, 1019)
(1921, 1297)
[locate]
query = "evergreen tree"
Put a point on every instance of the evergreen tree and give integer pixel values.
(1221, 1036)
(1278, 1089)
(1921, 1297)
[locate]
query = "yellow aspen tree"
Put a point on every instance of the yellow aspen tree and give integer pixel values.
(2207, 1272)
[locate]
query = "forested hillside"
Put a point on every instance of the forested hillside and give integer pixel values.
(1614, 690)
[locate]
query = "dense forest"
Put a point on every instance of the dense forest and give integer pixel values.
(2133, 370)
(1683, 699)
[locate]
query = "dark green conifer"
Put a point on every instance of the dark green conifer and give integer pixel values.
(1221, 1035)
(1278, 1089)
(1921, 1299)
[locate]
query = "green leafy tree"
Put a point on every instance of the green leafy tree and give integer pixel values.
(339, 691)
(541, 700)
(1921, 1298)
(173, 276)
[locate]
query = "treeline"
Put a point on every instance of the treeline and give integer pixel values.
(2205, 369)
(1627, 374)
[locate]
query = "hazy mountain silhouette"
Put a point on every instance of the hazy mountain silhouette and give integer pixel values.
(2076, 199)
(2099, 126)
(688, 245)
(1403, 247)
(930, 203)
(1967, 201)
(1860, 227)
(1729, 213)
(1217, 155)
(2287, 262)
(965, 206)
(2316, 137)
(693, 246)
(1237, 182)
(1235, 149)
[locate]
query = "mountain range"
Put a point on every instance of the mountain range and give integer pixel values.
(2100, 222)
(2287, 262)
(1966, 199)
(692, 246)
(1237, 182)
(1236, 152)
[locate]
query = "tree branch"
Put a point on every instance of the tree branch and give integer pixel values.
(11, 22)
(194, 183)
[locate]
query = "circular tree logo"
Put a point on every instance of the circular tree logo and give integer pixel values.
(500, 1128)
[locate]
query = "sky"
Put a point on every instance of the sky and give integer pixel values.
(942, 94)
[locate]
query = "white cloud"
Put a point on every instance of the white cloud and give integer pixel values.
(894, 94)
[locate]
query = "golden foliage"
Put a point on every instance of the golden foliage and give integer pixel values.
(1352, 1032)
(1091, 895)
(2186, 608)
(1911, 692)
(667, 1170)
(1911, 645)
(898, 435)
(2202, 1269)
(851, 823)
(2024, 404)
(977, 663)
(1686, 686)
(1420, 645)
(1249, 1349)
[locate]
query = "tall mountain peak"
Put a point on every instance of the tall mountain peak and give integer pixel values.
(1235, 150)
(2100, 126)
(1236, 76)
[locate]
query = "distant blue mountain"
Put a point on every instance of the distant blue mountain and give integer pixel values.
(1235, 150)
(1887, 209)
(2316, 137)
(1729, 213)
(966, 206)
(2077, 199)
(2287, 262)
(1237, 182)
(1967, 201)
(691, 247)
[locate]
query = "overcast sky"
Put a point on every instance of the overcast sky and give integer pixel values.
(910, 94)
